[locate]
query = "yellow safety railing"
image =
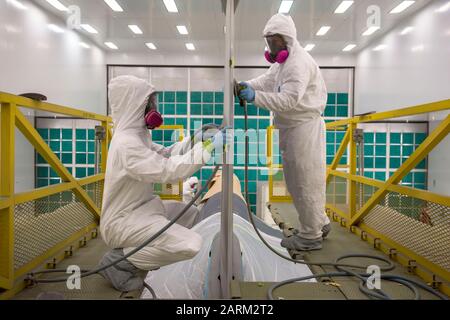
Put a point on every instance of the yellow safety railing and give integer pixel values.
(378, 211)
(22, 215)
(167, 191)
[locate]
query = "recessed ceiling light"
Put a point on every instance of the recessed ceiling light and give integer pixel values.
(380, 47)
(58, 5)
(171, 6)
(309, 47)
(418, 48)
(114, 5)
(349, 47)
(402, 6)
(84, 45)
(111, 45)
(407, 30)
(17, 4)
(182, 29)
(371, 30)
(190, 46)
(285, 6)
(151, 46)
(89, 28)
(323, 30)
(444, 8)
(344, 6)
(135, 29)
(55, 28)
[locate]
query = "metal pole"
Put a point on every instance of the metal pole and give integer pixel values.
(226, 227)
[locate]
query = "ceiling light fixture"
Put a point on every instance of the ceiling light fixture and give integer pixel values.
(406, 30)
(418, 48)
(135, 29)
(344, 6)
(55, 28)
(323, 30)
(309, 47)
(151, 46)
(17, 4)
(370, 31)
(89, 28)
(190, 46)
(58, 5)
(380, 47)
(84, 45)
(402, 7)
(114, 5)
(171, 6)
(182, 29)
(444, 8)
(285, 6)
(349, 47)
(111, 45)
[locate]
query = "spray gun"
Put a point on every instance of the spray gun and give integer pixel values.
(237, 91)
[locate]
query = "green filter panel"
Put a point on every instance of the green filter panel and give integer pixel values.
(181, 96)
(169, 96)
(196, 97)
(169, 109)
(44, 133)
(81, 134)
(67, 134)
(55, 134)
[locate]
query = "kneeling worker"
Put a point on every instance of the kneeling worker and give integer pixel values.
(131, 213)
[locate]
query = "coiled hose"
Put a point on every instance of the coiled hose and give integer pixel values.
(342, 272)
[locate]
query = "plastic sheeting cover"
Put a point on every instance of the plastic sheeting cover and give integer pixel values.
(187, 279)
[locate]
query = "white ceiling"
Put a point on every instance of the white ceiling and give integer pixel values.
(204, 20)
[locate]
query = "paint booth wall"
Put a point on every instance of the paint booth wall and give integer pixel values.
(35, 59)
(413, 69)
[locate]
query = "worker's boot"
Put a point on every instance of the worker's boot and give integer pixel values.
(326, 230)
(124, 276)
(295, 242)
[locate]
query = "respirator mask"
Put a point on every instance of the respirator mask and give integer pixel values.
(277, 49)
(153, 119)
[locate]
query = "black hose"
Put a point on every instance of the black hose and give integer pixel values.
(150, 289)
(379, 294)
(143, 245)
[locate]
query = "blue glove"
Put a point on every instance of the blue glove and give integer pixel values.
(248, 94)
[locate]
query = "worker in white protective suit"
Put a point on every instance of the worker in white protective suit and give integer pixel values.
(131, 213)
(294, 90)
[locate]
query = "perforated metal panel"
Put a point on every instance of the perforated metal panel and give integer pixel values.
(363, 193)
(337, 190)
(95, 191)
(41, 224)
(421, 226)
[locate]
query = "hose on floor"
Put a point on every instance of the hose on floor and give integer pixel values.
(85, 273)
(342, 271)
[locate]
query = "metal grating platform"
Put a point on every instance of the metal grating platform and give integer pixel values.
(341, 241)
(92, 288)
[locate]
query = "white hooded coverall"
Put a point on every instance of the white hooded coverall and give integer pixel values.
(131, 213)
(295, 91)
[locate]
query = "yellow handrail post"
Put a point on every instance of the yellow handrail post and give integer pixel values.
(421, 152)
(353, 186)
(339, 154)
(7, 181)
(269, 161)
(44, 150)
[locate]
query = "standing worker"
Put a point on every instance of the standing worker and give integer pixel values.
(294, 90)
